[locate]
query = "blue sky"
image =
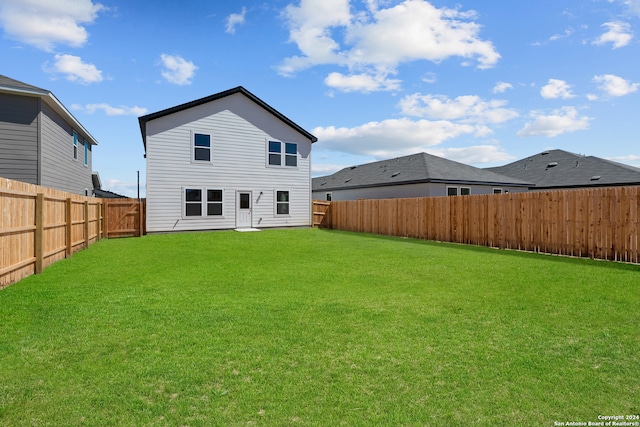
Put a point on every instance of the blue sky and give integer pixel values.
(483, 82)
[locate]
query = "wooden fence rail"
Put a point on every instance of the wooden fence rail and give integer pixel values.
(600, 223)
(39, 226)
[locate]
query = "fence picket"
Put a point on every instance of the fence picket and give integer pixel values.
(599, 222)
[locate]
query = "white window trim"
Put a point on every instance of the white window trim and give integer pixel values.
(75, 139)
(275, 204)
(203, 203)
(192, 141)
(328, 196)
(456, 188)
(464, 188)
(497, 190)
(283, 155)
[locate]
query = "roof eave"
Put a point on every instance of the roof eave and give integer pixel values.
(142, 120)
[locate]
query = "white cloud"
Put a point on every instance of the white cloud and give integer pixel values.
(466, 109)
(614, 85)
(46, 23)
(390, 137)
(377, 40)
(633, 6)
(111, 111)
(568, 32)
(563, 120)
(234, 20)
(473, 155)
(556, 89)
(361, 82)
(631, 159)
(124, 188)
(75, 70)
(177, 70)
(619, 34)
(502, 87)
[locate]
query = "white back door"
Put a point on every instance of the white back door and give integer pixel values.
(243, 209)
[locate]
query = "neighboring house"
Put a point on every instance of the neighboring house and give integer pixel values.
(226, 161)
(417, 175)
(41, 142)
(559, 169)
(99, 192)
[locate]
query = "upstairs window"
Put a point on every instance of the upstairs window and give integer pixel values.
(201, 147)
(275, 153)
(283, 156)
(86, 153)
(75, 145)
(291, 154)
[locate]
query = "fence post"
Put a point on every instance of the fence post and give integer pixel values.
(139, 231)
(105, 218)
(39, 234)
(69, 228)
(86, 223)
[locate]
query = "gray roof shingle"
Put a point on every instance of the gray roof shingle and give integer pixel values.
(416, 168)
(15, 84)
(562, 169)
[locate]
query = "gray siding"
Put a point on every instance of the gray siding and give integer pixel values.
(19, 138)
(59, 169)
(409, 190)
(240, 130)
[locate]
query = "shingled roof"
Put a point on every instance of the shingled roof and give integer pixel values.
(413, 169)
(562, 169)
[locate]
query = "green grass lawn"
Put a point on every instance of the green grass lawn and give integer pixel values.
(314, 327)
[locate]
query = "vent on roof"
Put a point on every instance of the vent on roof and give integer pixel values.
(544, 153)
(323, 182)
(395, 174)
(596, 177)
(347, 180)
(552, 164)
(353, 167)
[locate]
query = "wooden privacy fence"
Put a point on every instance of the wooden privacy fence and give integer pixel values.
(600, 223)
(39, 226)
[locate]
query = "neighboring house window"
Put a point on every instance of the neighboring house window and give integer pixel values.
(497, 191)
(282, 202)
(452, 191)
(86, 153)
(201, 147)
(328, 197)
(276, 154)
(75, 145)
(199, 202)
(465, 191)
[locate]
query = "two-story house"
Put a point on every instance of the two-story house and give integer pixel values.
(226, 161)
(41, 142)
